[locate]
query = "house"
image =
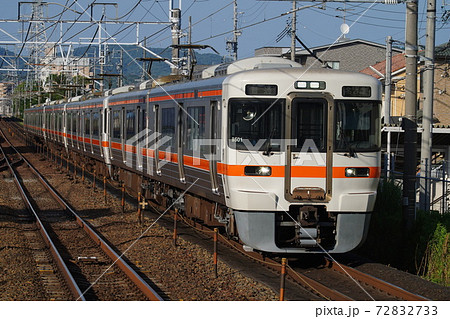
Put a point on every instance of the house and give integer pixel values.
(6, 89)
(441, 107)
(347, 55)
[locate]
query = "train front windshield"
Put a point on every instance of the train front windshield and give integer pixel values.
(357, 126)
(256, 124)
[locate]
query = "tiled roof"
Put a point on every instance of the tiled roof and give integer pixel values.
(442, 51)
(398, 63)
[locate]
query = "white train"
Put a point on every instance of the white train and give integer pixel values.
(286, 158)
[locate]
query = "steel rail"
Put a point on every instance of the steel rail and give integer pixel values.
(70, 281)
(301, 279)
(374, 282)
(146, 289)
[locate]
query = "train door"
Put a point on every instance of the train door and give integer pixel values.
(309, 128)
(95, 132)
(141, 125)
(57, 124)
(157, 128)
(82, 129)
(44, 123)
(130, 142)
(78, 128)
(89, 132)
(123, 134)
(166, 141)
(214, 128)
(105, 141)
(61, 125)
(73, 127)
(52, 125)
(65, 125)
(180, 148)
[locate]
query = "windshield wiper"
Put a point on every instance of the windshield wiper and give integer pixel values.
(268, 150)
(351, 151)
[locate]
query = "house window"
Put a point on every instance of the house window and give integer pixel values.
(333, 64)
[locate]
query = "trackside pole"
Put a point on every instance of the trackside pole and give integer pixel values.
(175, 216)
(140, 219)
(104, 188)
(283, 278)
(123, 197)
(93, 180)
(216, 232)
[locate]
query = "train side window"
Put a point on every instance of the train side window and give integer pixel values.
(87, 123)
(168, 125)
(116, 124)
(69, 122)
(130, 124)
(95, 124)
(74, 123)
(195, 128)
(80, 123)
(144, 118)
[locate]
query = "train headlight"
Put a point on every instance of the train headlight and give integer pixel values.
(357, 172)
(258, 170)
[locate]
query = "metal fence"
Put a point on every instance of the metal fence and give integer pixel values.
(438, 184)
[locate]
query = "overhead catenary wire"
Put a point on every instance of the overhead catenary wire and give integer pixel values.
(259, 22)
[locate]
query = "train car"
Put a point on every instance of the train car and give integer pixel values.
(286, 158)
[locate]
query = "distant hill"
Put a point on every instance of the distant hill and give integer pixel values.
(132, 69)
(8, 58)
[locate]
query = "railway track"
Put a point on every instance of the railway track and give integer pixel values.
(335, 281)
(91, 269)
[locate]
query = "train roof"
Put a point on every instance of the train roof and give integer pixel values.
(215, 76)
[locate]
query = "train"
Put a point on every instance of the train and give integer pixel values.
(285, 158)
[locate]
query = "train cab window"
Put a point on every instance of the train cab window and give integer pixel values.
(95, 124)
(256, 123)
(195, 128)
(130, 124)
(168, 125)
(357, 126)
(309, 123)
(116, 124)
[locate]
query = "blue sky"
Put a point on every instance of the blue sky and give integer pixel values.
(212, 20)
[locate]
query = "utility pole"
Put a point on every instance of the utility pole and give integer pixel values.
(293, 29)
(387, 101)
(38, 36)
(409, 120)
(175, 20)
(232, 45)
(388, 81)
(189, 57)
(144, 56)
(427, 119)
(120, 69)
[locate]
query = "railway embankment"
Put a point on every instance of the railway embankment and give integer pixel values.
(423, 250)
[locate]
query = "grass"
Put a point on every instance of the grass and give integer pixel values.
(423, 250)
